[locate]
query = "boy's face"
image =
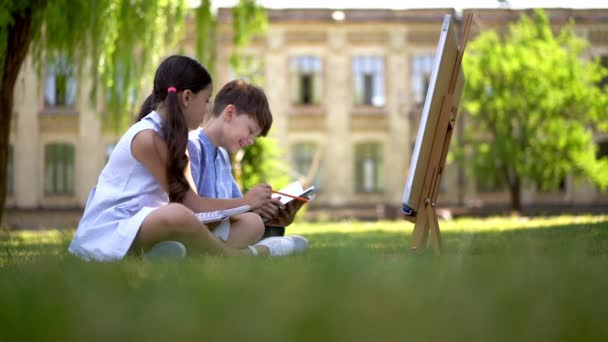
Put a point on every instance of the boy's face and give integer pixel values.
(240, 130)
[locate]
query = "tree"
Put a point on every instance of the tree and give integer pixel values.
(116, 42)
(534, 103)
(260, 163)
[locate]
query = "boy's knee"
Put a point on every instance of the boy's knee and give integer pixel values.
(254, 223)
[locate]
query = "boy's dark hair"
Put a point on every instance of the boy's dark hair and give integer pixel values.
(248, 99)
(181, 73)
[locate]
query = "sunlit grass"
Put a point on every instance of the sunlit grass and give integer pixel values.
(469, 225)
(491, 224)
(499, 279)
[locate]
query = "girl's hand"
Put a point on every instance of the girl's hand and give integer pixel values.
(259, 196)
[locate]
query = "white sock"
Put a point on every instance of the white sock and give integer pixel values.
(254, 251)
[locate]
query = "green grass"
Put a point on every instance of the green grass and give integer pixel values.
(502, 279)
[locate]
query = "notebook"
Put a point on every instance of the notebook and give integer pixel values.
(295, 189)
(219, 215)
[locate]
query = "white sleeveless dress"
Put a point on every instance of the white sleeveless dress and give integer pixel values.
(125, 194)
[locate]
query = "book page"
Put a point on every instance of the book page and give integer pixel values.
(294, 189)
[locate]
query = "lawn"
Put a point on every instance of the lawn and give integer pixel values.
(500, 279)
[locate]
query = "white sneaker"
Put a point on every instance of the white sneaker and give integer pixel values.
(300, 242)
(166, 250)
(278, 245)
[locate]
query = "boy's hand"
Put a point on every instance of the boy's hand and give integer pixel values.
(286, 214)
(270, 210)
(259, 196)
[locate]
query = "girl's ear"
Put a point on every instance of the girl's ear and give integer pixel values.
(186, 97)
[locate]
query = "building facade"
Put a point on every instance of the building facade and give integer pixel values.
(345, 88)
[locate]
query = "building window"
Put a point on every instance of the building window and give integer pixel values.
(422, 68)
(306, 80)
(368, 74)
(303, 158)
(59, 169)
(60, 83)
(368, 168)
(10, 180)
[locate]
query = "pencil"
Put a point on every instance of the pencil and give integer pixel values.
(292, 196)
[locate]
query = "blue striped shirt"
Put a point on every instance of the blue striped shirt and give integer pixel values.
(211, 168)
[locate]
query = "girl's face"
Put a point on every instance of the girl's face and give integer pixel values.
(240, 130)
(196, 106)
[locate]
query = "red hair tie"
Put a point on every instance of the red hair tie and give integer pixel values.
(171, 90)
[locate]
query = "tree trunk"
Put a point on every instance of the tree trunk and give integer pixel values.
(515, 191)
(18, 42)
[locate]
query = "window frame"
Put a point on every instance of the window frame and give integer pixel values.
(52, 99)
(310, 149)
(310, 66)
(420, 77)
(60, 160)
(362, 66)
(376, 150)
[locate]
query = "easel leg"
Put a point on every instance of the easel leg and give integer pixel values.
(433, 225)
(420, 234)
(426, 222)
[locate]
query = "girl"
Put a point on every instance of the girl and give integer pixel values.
(144, 196)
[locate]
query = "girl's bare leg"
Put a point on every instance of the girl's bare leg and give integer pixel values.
(176, 222)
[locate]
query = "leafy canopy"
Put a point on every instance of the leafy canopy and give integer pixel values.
(114, 44)
(535, 105)
(119, 42)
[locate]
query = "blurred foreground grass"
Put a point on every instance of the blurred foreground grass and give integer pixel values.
(500, 279)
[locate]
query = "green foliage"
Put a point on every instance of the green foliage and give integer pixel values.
(205, 36)
(534, 105)
(116, 42)
(248, 20)
(262, 163)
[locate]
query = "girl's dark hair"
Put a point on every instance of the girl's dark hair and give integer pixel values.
(182, 73)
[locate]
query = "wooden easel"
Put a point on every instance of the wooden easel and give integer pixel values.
(425, 220)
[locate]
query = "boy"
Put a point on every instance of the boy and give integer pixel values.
(240, 114)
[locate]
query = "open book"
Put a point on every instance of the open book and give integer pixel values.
(219, 215)
(295, 191)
